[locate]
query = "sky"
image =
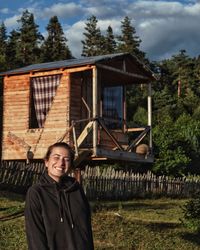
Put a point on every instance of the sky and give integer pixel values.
(165, 27)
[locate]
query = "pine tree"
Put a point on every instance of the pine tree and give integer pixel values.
(93, 43)
(197, 75)
(30, 39)
(3, 44)
(128, 41)
(55, 45)
(182, 73)
(12, 58)
(109, 41)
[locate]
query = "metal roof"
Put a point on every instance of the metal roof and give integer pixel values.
(64, 64)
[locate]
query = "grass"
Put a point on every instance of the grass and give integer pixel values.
(148, 224)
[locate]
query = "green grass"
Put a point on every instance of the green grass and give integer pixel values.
(149, 224)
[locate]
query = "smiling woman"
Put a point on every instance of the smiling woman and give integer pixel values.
(59, 160)
(57, 213)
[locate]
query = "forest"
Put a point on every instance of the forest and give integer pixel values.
(175, 94)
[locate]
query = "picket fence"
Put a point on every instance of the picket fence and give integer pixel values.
(103, 184)
(112, 184)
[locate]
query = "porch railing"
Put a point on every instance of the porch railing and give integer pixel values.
(78, 141)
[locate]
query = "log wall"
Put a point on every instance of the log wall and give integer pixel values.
(16, 117)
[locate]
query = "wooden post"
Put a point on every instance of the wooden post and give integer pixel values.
(77, 174)
(95, 108)
(150, 115)
(74, 138)
(179, 88)
(68, 118)
(124, 102)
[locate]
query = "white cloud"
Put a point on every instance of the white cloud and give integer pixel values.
(67, 10)
(4, 11)
(11, 22)
(166, 27)
(74, 35)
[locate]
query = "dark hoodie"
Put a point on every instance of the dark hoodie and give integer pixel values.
(57, 216)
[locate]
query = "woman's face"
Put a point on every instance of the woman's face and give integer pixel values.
(59, 163)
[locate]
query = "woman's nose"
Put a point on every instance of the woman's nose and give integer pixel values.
(62, 161)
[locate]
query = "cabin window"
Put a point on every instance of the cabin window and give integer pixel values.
(43, 90)
(113, 106)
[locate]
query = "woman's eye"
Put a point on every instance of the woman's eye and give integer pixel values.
(56, 158)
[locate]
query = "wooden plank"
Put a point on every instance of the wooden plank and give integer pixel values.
(46, 73)
(122, 72)
(84, 133)
(123, 156)
(78, 69)
(139, 138)
(135, 129)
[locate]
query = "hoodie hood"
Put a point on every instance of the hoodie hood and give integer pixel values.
(66, 183)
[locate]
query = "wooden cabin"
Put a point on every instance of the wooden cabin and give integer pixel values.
(79, 101)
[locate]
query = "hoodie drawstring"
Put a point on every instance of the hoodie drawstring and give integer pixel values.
(66, 195)
(60, 205)
(61, 210)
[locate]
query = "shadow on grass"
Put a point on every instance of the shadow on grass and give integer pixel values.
(191, 237)
(12, 216)
(162, 226)
(97, 206)
(12, 196)
(146, 206)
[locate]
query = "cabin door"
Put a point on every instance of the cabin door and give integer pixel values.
(112, 106)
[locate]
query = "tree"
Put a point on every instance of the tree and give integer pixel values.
(30, 39)
(196, 84)
(3, 38)
(109, 41)
(12, 49)
(93, 43)
(182, 73)
(55, 45)
(169, 148)
(128, 41)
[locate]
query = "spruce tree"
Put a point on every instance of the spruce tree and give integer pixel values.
(182, 73)
(128, 41)
(55, 45)
(109, 41)
(196, 75)
(93, 43)
(12, 57)
(30, 39)
(3, 44)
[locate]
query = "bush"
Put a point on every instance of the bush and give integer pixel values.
(192, 214)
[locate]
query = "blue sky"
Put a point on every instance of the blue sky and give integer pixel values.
(165, 27)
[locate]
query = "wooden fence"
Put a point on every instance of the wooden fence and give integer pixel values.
(113, 184)
(18, 176)
(107, 183)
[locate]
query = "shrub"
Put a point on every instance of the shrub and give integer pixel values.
(192, 214)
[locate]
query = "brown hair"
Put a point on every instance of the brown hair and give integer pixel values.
(59, 144)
